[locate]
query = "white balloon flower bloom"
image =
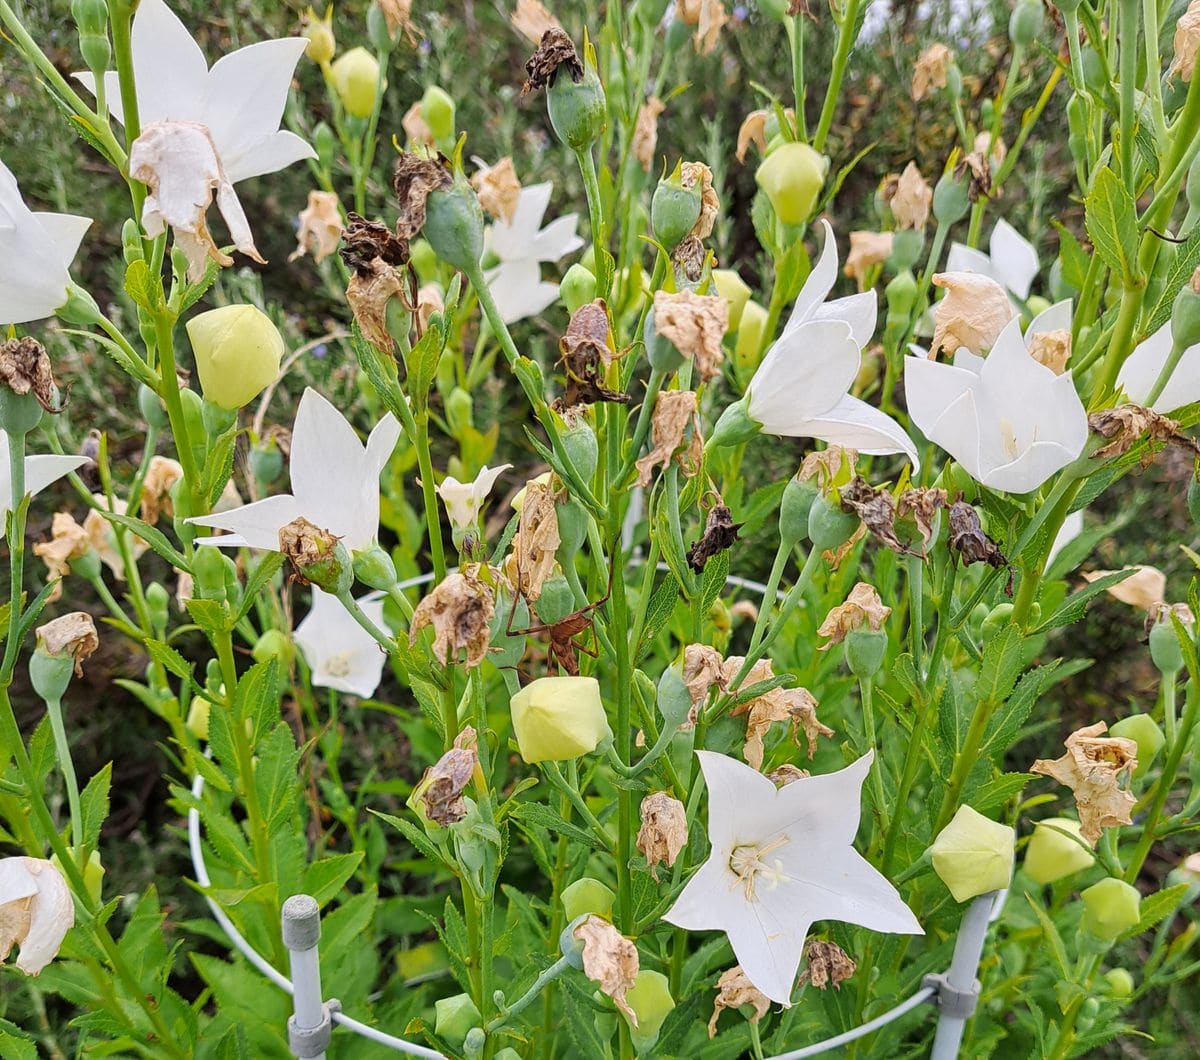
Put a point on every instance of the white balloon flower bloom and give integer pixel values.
(335, 483)
(36, 250)
(36, 911)
(801, 388)
(463, 500)
(1012, 261)
(341, 654)
(1139, 374)
(202, 130)
(521, 245)
(40, 471)
(780, 860)
(1008, 420)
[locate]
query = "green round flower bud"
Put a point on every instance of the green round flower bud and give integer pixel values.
(1185, 317)
(973, 855)
(651, 1002)
(794, 509)
(437, 111)
(1145, 732)
(582, 448)
(273, 644)
(578, 288)
(1050, 856)
(585, 896)
(556, 719)
(454, 225)
(995, 621)
(1164, 647)
(828, 526)
(735, 291)
(208, 573)
(734, 426)
(356, 81)
(1094, 75)
(674, 209)
(954, 81)
(1110, 908)
(792, 177)
(325, 142)
(318, 31)
(865, 649)
(266, 463)
(237, 350)
(907, 245)
(901, 293)
(158, 603)
(454, 1017)
(1119, 983)
(749, 339)
(578, 110)
(950, 199)
(1025, 22)
(373, 566)
(460, 412)
(197, 718)
(151, 407)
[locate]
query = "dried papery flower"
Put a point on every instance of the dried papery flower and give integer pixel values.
(320, 229)
(25, 369)
(460, 610)
(365, 241)
(720, 531)
(733, 991)
(702, 668)
(555, 49)
(645, 132)
(429, 301)
(103, 537)
(1145, 588)
(369, 292)
(1187, 42)
(415, 127)
(313, 553)
(442, 786)
(531, 19)
(985, 147)
(862, 608)
(68, 541)
(72, 635)
(1162, 612)
(36, 911)
(966, 537)
(1127, 425)
(498, 189)
(675, 411)
(1092, 768)
(972, 314)
(867, 249)
(688, 258)
(695, 174)
(664, 830)
(829, 468)
(930, 71)
(744, 609)
(911, 198)
(161, 475)
(876, 509)
(587, 351)
(413, 180)
(977, 171)
(695, 324)
(795, 705)
(708, 25)
(922, 506)
(398, 15)
(753, 130)
(536, 540)
(610, 960)
(787, 774)
(1051, 348)
(827, 963)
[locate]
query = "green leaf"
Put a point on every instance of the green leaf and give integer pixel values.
(422, 362)
(153, 537)
(1074, 607)
(93, 805)
(1157, 907)
(1072, 257)
(1002, 663)
(1111, 219)
(210, 615)
(168, 658)
(257, 696)
(989, 798)
(143, 286)
(1183, 264)
(425, 846)
(276, 777)
(716, 571)
(535, 814)
(325, 879)
(265, 569)
(218, 466)
(1050, 933)
(659, 611)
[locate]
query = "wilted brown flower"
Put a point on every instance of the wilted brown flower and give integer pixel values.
(587, 351)
(104, 538)
(36, 912)
(25, 369)
(645, 132)
(664, 830)
(398, 15)
(531, 19)
(930, 71)
(460, 610)
(976, 169)
(365, 241)
(72, 635)
(161, 475)
(922, 506)
(675, 411)
(720, 531)
(1126, 425)
(827, 963)
(442, 786)
(786, 774)
(876, 509)
(1092, 768)
(555, 49)
(861, 608)
(429, 301)
(320, 228)
(966, 537)
(733, 991)
(412, 180)
(694, 324)
(867, 249)
(498, 189)
(795, 705)
(1187, 42)
(702, 668)
(708, 26)
(828, 468)
(972, 314)
(68, 541)
(536, 540)
(911, 198)
(1145, 588)
(985, 146)
(1051, 348)
(610, 960)
(697, 173)
(369, 292)
(312, 552)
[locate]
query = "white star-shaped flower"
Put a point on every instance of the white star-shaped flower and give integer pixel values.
(40, 471)
(521, 246)
(1010, 421)
(36, 250)
(464, 499)
(335, 483)
(1142, 368)
(341, 654)
(1012, 261)
(801, 389)
(782, 859)
(202, 130)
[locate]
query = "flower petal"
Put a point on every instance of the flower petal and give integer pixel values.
(519, 291)
(557, 239)
(341, 654)
(854, 424)
(820, 281)
(840, 884)
(963, 258)
(112, 90)
(169, 68)
(43, 469)
(65, 232)
(825, 809)
(1031, 469)
(1056, 318)
(732, 786)
(255, 525)
(860, 311)
(514, 239)
(1014, 259)
(1141, 370)
(805, 373)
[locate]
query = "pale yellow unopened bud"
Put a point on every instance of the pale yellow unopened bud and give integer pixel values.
(237, 350)
(356, 79)
(973, 855)
(559, 718)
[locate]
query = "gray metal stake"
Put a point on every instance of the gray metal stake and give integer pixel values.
(957, 990)
(310, 1027)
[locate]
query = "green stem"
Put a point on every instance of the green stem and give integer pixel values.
(16, 551)
(795, 32)
(1164, 377)
(866, 689)
(65, 763)
(165, 340)
(846, 36)
(1128, 40)
(1170, 712)
(591, 186)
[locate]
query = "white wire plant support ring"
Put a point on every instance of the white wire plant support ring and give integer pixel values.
(955, 993)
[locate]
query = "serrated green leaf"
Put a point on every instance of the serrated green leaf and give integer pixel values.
(1111, 219)
(93, 805)
(658, 612)
(1075, 606)
(142, 285)
(537, 815)
(325, 879)
(153, 537)
(1157, 907)
(168, 658)
(425, 846)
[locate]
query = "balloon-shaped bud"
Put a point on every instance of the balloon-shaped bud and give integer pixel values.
(237, 350)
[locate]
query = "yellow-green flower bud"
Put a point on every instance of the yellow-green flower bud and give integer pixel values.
(93, 873)
(318, 31)
(973, 855)
(208, 573)
(158, 602)
(651, 1001)
(454, 1017)
(674, 209)
(735, 291)
(197, 717)
(1110, 908)
(578, 109)
(454, 225)
(585, 896)
(374, 567)
(792, 177)
(749, 338)
(578, 288)
(1051, 856)
(273, 644)
(1145, 732)
(237, 350)
(356, 80)
(556, 719)
(437, 111)
(1119, 983)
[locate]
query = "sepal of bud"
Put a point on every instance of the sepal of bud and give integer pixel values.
(973, 855)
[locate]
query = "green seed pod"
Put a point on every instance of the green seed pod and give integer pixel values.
(151, 408)
(907, 245)
(437, 110)
(578, 288)
(673, 698)
(557, 599)
(865, 649)
(49, 674)
(572, 529)
(454, 225)
(828, 526)
(266, 463)
(1185, 317)
(794, 509)
(661, 352)
(1025, 22)
(582, 448)
(374, 567)
(950, 199)
(1145, 732)
(674, 209)
(1165, 649)
(578, 110)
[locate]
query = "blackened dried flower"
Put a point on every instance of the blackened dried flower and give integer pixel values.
(720, 532)
(25, 369)
(412, 180)
(556, 49)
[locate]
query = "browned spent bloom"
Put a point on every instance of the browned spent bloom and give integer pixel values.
(498, 189)
(861, 608)
(443, 785)
(921, 506)
(795, 705)
(802, 708)
(554, 50)
(536, 540)
(415, 127)
(365, 241)
(309, 548)
(1092, 768)
(912, 198)
(720, 532)
(753, 130)
(744, 609)
(1051, 348)
(876, 509)
(1126, 425)
(610, 960)
(460, 610)
(664, 830)
(645, 132)
(531, 19)
(1187, 42)
(369, 292)
(867, 249)
(702, 668)
(675, 412)
(972, 314)
(1163, 612)
(68, 541)
(978, 172)
(412, 180)
(829, 468)
(786, 774)
(695, 324)
(72, 635)
(985, 146)
(398, 15)
(708, 26)
(320, 229)
(930, 71)
(587, 351)
(733, 991)
(966, 537)
(429, 301)
(827, 963)
(697, 173)
(25, 369)
(1145, 588)
(161, 475)
(688, 258)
